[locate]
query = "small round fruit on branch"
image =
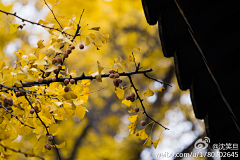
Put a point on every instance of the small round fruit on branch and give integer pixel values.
(143, 122)
(66, 81)
(69, 51)
(59, 60)
(32, 111)
(81, 46)
(72, 47)
(111, 75)
(18, 94)
(132, 95)
(22, 93)
(111, 71)
(56, 71)
(115, 82)
(40, 80)
(72, 81)
(47, 74)
(54, 79)
(10, 101)
(5, 104)
(128, 97)
(54, 60)
(116, 75)
(47, 146)
(136, 109)
(65, 55)
(50, 138)
(119, 80)
(66, 89)
(59, 66)
(132, 99)
(36, 108)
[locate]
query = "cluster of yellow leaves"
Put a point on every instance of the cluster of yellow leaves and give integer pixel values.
(141, 134)
(53, 102)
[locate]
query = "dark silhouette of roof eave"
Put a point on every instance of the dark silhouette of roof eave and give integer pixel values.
(214, 25)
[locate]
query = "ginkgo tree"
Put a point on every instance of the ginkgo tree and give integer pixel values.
(38, 91)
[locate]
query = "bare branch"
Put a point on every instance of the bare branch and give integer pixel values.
(156, 80)
(25, 20)
(53, 14)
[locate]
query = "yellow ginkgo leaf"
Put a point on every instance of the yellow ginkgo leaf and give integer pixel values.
(20, 53)
(13, 28)
(127, 102)
(91, 35)
(2, 64)
(133, 119)
(24, 130)
(155, 143)
(53, 128)
(41, 55)
(42, 22)
(81, 112)
(56, 2)
(40, 44)
(104, 37)
(87, 42)
(98, 76)
(148, 142)
(119, 92)
(122, 63)
(95, 28)
(131, 59)
(51, 68)
(40, 62)
(132, 128)
(148, 93)
(60, 145)
(131, 111)
(160, 89)
(100, 68)
(142, 134)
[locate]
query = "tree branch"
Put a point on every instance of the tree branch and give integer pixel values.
(141, 101)
(16, 117)
(25, 154)
(59, 157)
(60, 79)
(25, 20)
(53, 14)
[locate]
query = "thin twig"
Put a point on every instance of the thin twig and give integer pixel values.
(78, 27)
(156, 80)
(81, 17)
(53, 14)
(16, 117)
(59, 157)
(18, 151)
(92, 91)
(25, 20)
(141, 101)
